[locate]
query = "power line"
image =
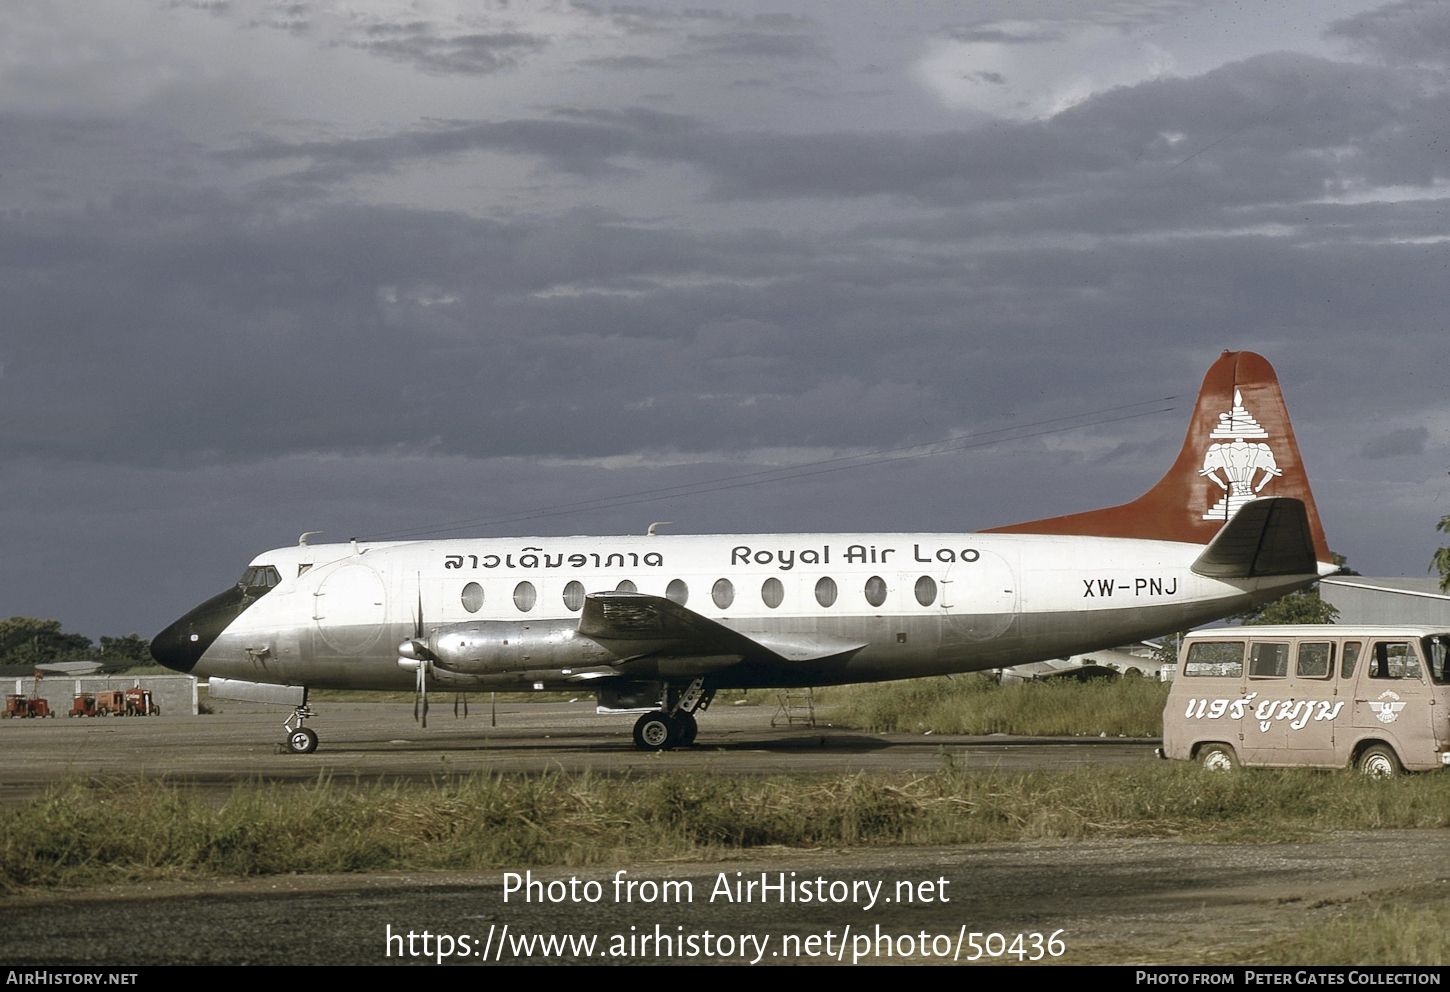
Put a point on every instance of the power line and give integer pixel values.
(948, 445)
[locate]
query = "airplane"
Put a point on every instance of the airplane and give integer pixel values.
(655, 625)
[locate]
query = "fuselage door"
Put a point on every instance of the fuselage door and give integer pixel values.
(979, 596)
(350, 607)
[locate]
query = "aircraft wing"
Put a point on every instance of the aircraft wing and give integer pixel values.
(637, 616)
(1268, 536)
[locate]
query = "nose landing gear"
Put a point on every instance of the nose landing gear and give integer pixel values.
(300, 740)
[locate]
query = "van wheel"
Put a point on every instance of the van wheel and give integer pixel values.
(1379, 761)
(1217, 758)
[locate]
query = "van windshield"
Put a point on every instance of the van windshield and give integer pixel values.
(1437, 648)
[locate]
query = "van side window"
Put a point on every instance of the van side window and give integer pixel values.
(1268, 661)
(1315, 660)
(1222, 658)
(1394, 660)
(1351, 655)
(1437, 648)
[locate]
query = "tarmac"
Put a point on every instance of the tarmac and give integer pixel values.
(368, 741)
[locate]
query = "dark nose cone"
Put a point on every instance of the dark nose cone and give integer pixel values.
(180, 646)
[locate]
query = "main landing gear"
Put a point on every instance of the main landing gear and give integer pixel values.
(300, 740)
(673, 726)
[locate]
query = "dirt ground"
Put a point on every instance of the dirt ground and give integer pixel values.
(1127, 902)
(1134, 902)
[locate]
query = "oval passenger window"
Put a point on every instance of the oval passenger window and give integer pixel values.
(772, 593)
(473, 597)
(723, 593)
(525, 596)
(574, 596)
(677, 592)
(926, 590)
(876, 590)
(826, 591)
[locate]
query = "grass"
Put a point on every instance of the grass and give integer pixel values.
(976, 704)
(83, 833)
(1409, 931)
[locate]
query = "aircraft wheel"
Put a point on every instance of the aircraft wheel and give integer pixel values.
(303, 740)
(1217, 758)
(1378, 761)
(688, 728)
(655, 732)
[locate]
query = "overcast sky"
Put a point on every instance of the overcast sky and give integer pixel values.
(375, 267)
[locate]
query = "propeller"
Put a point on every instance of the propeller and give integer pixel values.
(413, 653)
(421, 694)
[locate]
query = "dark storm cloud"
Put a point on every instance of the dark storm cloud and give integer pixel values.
(289, 17)
(625, 63)
(204, 328)
(436, 51)
(758, 45)
(996, 33)
(177, 324)
(1273, 129)
(1026, 30)
(210, 6)
(1412, 31)
(182, 324)
(581, 142)
(1406, 441)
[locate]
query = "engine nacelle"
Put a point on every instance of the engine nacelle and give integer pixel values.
(508, 646)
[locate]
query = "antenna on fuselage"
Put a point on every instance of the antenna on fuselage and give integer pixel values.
(658, 523)
(302, 541)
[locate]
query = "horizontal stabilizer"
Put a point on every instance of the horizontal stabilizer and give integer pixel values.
(636, 616)
(1268, 536)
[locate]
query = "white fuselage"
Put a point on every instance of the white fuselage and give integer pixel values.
(912, 604)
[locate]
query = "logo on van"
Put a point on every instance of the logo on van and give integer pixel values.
(1239, 461)
(1387, 712)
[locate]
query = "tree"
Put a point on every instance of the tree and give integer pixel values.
(1166, 652)
(1303, 606)
(1441, 561)
(133, 647)
(30, 641)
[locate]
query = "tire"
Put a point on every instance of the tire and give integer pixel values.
(1218, 758)
(303, 740)
(655, 732)
(1378, 761)
(688, 728)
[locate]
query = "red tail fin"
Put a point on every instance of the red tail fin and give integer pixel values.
(1239, 446)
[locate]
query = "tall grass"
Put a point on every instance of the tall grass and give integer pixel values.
(976, 704)
(1374, 932)
(83, 833)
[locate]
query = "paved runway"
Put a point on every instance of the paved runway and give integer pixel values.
(380, 741)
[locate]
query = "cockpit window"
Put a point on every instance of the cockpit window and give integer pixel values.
(258, 579)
